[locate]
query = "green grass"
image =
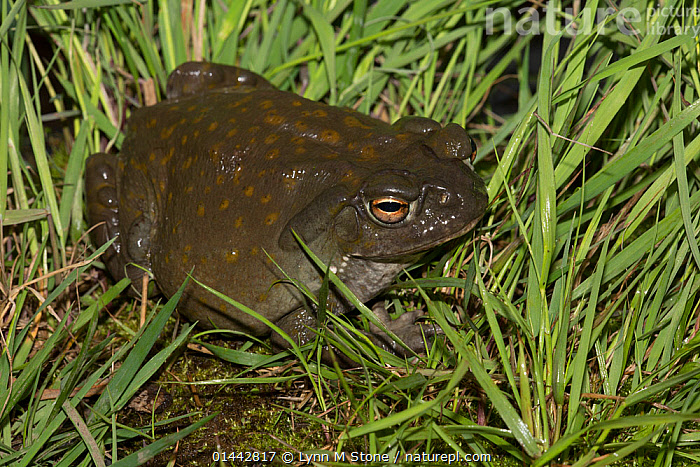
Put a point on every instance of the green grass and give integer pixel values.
(570, 316)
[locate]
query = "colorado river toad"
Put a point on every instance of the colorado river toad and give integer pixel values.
(214, 180)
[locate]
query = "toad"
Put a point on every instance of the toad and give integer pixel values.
(214, 180)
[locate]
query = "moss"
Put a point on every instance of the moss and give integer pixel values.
(251, 417)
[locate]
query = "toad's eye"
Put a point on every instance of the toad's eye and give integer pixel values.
(389, 210)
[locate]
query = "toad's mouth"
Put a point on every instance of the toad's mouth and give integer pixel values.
(412, 254)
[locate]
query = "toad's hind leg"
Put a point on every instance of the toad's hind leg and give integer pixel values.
(103, 208)
(104, 212)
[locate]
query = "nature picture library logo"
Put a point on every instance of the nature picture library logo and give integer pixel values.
(628, 20)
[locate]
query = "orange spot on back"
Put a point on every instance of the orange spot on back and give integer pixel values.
(167, 132)
(274, 119)
(168, 156)
(329, 136)
(353, 122)
(368, 151)
(272, 218)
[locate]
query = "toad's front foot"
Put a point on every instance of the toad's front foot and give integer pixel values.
(301, 323)
(413, 334)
